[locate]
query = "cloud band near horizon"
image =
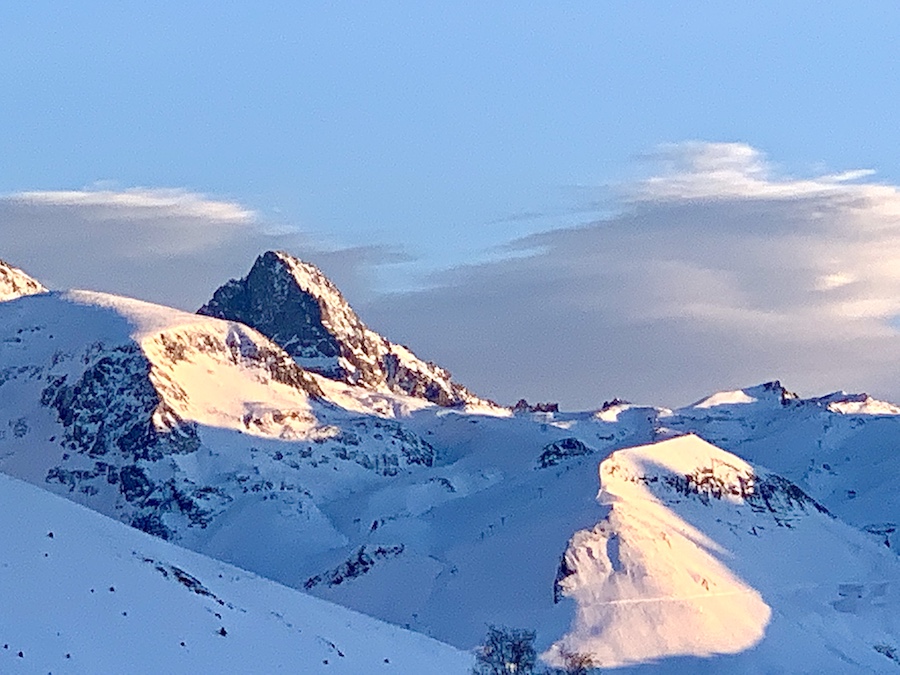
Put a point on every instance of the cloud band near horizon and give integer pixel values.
(716, 272)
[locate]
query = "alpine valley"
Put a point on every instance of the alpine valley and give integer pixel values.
(277, 470)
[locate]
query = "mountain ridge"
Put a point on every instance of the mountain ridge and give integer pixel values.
(676, 560)
(444, 519)
(294, 304)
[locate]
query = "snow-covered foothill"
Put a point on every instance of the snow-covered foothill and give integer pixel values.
(82, 593)
(359, 489)
(702, 554)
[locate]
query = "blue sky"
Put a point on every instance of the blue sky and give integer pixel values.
(417, 137)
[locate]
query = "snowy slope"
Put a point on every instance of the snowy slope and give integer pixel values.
(204, 432)
(14, 283)
(188, 427)
(84, 594)
(443, 519)
(840, 448)
(299, 308)
(703, 554)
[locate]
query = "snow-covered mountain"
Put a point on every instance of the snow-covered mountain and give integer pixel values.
(299, 308)
(702, 554)
(840, 448)
(178, 423)
(84, 594)
(14, 283)
(332, 478)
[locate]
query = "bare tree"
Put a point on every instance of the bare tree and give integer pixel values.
(576, 664)
(506, 651)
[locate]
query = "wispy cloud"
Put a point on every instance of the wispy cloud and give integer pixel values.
(142, 204)
(171, 246)
(136, 223)
(717, 272)
(715, 171)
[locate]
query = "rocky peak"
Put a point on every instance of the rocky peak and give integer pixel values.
(773, 390)
(768, 394)
(283, 298)
(523, 406)
(687, 468)
(296, 306)
(14, 283)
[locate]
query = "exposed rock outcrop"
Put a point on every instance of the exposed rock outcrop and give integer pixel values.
(14, 283)
(296, 306)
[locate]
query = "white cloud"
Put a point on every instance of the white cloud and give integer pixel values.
(136, 223)
(717, 273)
(829, 282)
(715, 171)
(170, 246)
(143, 204)
(828, 233)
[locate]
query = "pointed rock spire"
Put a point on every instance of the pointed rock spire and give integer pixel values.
(296, 306)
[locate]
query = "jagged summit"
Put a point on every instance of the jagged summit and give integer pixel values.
(856, 404)
(14, 283)
(296, 306)
(768, 392)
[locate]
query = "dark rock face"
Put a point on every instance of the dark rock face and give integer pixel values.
(563, 572)
(107, 417)
(297, 307)
(563, 449)
(786, 397)
(399, 446)
(269, 300)
(616, 401)
(523, 406)
(109, 408)
(765, 494)
(361, 563)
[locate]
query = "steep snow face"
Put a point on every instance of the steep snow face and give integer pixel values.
(14, 283)
(703, 554)
(178, 424)
(85, 594)
(299, 308)
(214, 372)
